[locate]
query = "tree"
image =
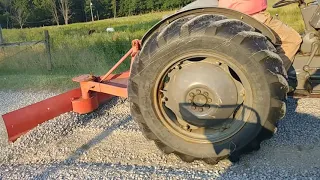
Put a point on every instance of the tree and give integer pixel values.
(49, 5)
(52, 5)
(114, 8)
(150, 5)
(101, 9)
(21, 11)
(6, 4)
(16, 13)
(65, 10)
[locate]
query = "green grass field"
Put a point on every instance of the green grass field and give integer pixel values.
(74, 52)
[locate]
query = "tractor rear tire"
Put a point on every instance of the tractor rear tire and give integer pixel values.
(249, 58)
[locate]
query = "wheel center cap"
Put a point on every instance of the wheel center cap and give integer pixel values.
(199, 92)
(200, 100)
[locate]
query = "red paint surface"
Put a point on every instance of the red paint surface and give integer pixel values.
(22, 120)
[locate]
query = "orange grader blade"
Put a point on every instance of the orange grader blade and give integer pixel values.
(17, 123)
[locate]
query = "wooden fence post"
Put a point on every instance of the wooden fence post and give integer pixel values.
(1, 36)
(48, 50)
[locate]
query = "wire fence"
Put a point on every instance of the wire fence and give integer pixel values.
(29, 45)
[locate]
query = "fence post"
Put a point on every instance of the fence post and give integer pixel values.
(1, 36)
(48, 50)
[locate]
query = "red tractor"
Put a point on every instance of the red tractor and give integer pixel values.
(205, 83)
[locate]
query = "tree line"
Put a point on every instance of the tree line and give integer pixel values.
(33, 13)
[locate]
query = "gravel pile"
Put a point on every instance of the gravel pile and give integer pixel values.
(107, 144)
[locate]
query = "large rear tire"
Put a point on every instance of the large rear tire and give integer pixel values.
(207, 87)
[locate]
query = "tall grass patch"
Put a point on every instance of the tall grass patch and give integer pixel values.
(74, 51)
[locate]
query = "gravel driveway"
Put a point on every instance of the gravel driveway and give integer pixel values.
(107, 144)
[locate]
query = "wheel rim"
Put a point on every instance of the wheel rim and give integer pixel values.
(203, 98)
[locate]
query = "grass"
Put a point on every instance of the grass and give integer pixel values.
(74, 52)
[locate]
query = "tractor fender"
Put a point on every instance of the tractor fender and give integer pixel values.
(231, 14)
(200, 4)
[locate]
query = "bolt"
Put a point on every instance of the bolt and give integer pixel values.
(164, 99)
(198, 91)
(191, 94)
(194, 107)
(200, 109)
(206, 94)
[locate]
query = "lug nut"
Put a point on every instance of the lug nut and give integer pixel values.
(194, 107)
(190, 101)
(191, 94)
(198, 91)
(200, 109)
(164, 99)
(206, 94)
(209, 100)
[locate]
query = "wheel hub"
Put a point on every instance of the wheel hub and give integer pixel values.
(201, 93)
(199, 99)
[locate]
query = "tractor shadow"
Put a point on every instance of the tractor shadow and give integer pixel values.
(293, 150)
(85, 120)
(295, 145)
(82, 150)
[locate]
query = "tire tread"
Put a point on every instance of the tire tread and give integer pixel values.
(257, 46)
